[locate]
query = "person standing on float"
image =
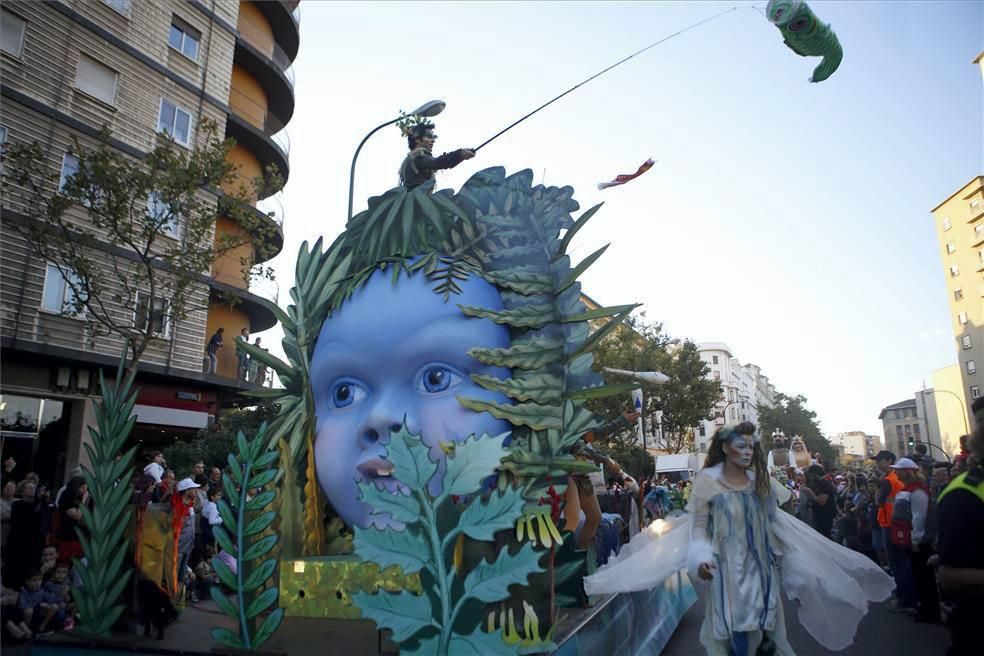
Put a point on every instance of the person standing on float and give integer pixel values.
(420, 164)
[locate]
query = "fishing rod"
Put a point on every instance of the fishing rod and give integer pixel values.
(600, 73)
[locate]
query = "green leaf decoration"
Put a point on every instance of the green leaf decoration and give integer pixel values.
(523, 317)
(405, 549)
(243, 519)
(404, 613)
(104, 578)
(542, 388)
(473, 461)
(521, 282)
(402, 509)
(600, 313)
(412, 472)
(581, 268)
(531, 354)
(490, 582)
(482, 520)
(533, 415)
(566, 241)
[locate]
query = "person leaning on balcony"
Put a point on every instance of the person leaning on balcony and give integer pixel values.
(242, 360)
(212, 351)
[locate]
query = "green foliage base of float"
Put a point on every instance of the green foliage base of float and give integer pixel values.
(108, 477)
(253, 468)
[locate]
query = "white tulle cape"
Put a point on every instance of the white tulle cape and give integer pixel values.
(830, 584)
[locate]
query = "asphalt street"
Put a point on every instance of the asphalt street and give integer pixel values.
(881, 633)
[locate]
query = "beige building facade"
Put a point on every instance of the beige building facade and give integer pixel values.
(951, 400)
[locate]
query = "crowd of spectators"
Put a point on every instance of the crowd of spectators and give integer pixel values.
(40, 539)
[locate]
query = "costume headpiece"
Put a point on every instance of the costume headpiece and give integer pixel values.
(731, 430)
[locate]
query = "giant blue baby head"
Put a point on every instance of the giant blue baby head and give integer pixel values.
(393, 353)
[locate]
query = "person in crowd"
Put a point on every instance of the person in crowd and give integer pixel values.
(254, 366)
(27, 533)
(69, 514)
(212, 352)
(164, 491)
(214, 477)
(961, 556)
(155, 468)
(57, 594)
(914, 530)
(821, 494)
(205, 575)
(888, 486)
(31, 602)
(939, 480)
(13, 620)
(6, 508)
(210, 516)
(187, 491)
(76, 471)
(7, 472)
(960, 461)
(49, 558)
(898, 545)
(242, 360)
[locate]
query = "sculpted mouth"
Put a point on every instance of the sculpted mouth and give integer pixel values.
(380, 472)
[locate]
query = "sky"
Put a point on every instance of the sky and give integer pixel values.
(789, 220)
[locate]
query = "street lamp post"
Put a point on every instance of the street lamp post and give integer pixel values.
(432, 108)
(963, 413)
(642, 356)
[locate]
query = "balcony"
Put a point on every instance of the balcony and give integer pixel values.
(262, 58)
(284, 17)
(268, 150)
(255, 306)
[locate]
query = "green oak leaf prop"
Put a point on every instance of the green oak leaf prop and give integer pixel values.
(245, 516)
(426, 542)
(105, 546)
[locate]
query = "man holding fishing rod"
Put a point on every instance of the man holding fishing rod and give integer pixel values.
(420, 164)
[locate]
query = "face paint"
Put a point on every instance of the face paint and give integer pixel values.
(739, 450)
(393, 354)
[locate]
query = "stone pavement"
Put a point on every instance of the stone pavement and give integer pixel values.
(881, 633)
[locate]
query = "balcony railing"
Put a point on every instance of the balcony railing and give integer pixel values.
(260, 39)
(273, 207)
(260, 117)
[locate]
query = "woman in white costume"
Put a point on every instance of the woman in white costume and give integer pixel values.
(737, 539)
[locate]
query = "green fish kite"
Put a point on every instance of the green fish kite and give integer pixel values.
(805, 35)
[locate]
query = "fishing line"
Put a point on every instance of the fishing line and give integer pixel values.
(600, 73)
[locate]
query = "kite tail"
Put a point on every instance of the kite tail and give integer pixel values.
(832, 57)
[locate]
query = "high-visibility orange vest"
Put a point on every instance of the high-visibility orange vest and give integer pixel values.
(885, 510)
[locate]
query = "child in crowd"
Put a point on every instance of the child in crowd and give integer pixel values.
(32, 605)
(205, 573)
(56, 589)
(210, 516)
(13, 618)
(49, 557)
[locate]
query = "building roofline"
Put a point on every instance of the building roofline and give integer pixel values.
(978, 178)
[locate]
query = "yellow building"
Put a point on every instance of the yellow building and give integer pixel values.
(948, 389)
(960, 230)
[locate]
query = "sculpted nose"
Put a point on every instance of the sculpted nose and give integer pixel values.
(387, 415)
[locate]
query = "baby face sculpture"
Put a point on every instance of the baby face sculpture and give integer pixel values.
(393, 354)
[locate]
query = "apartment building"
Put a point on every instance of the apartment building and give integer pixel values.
(744, 389)
(140, 68)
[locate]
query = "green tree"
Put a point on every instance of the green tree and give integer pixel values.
(686, 400)
(135, 240)
(791, 416)
(213, 445)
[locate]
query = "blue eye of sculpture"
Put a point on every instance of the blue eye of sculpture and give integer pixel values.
(436, 378)
(346, 392)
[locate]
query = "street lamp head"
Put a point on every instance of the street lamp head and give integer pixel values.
(673, 342)
(429, 109)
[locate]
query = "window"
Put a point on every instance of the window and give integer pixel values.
(70, 166)
(174, 122)
(908, 429)
(714, 359)
(951, 247)
(965, 342)
(898, 432)
(702, 430)
(3, 134)
(975, 206)
(979, 230)
(717, 375)
(896, 414)
(155, 314)
(975, 392)
(954, 271)
(958, 294)
(915, 431)
(58, 296)
(161, 213)
(971, 367)
(184, 38)
(97, 80)
(119, 6)
(946, 223)
(12, 30)
(962, 318)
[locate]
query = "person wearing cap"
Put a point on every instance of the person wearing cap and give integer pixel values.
(888, 485)
(914, 529)
(184, 506)
(961, 536)
(419, 165)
